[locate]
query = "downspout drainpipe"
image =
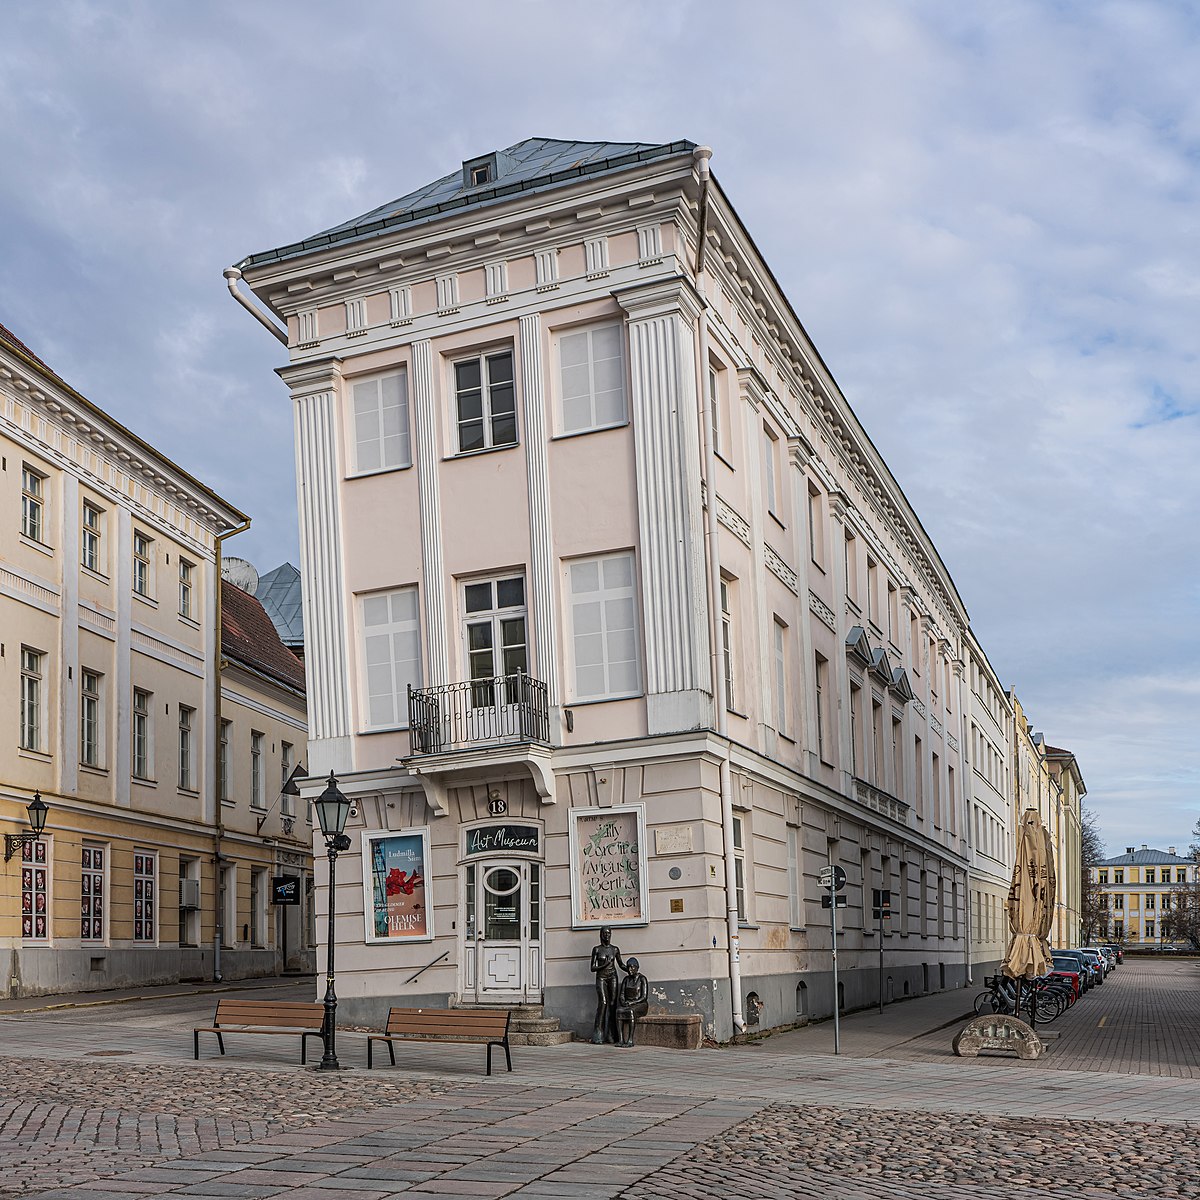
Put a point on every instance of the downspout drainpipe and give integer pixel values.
(218, 821)
(232, 276)
(967, 793)
(701, 155)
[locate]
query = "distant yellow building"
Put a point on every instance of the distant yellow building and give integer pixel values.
(1135, 890)
(109, 710)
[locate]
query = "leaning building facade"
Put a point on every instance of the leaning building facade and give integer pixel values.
(613, 613)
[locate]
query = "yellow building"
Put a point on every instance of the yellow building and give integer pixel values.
(1135, 890)
(109, 706)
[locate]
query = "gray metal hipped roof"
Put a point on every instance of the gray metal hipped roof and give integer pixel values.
(1145, 858)
(535, 164)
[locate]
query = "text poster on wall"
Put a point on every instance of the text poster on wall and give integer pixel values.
(395, 887)
(608, 866)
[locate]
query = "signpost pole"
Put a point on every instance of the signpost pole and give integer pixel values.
(837, 1031)
(880, 911)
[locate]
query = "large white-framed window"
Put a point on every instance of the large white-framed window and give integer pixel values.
(145, 898)
(91, 731)
(187, 574)
(821, 679)
(91, 538)
(143, 564)
(485, 401)
(382, 434)
(739, 867)
(257, 797)
(187, 718)
(771, 470)
(92, 888)
(286, 757)
(728, 585)
(33, 700)
(495, 634)
(33, 503)
(795, 846)
(223, 737)
(816, 525)
(604, 627)
(779, 638)
(391, 651)
(591, 366)
(142, 735)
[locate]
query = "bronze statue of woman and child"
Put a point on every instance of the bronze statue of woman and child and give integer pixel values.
(620, 1003)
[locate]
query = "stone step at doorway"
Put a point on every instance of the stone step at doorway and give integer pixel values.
(530, 1026)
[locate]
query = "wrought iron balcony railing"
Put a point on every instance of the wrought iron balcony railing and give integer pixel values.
(502, 711)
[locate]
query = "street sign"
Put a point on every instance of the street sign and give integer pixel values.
(832, 878)
(285, 889)
(827, 901)
(883, 905)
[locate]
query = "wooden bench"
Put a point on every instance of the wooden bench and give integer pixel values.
(487, 1025)
(304, 1019)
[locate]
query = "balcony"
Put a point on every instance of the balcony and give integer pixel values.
(507, 710)
(880, 801)
(462, 733)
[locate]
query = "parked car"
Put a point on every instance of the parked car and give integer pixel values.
(1117, 953)
(1094, 956)
(1091, 969)
(1107, 957)
(1069, 969)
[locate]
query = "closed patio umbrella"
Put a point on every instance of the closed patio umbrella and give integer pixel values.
(1030, 901)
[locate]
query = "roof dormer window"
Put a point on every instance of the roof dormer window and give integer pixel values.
(477, 172)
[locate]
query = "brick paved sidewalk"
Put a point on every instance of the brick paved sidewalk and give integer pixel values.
(104, 1101)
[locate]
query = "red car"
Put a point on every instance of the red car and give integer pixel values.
(1065, 968)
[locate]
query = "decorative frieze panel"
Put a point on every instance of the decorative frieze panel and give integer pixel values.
(177, 656)
(823, 611)
(21, 587)
(734, 522)
(781, 570)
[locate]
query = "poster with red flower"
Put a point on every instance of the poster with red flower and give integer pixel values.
(395, 886)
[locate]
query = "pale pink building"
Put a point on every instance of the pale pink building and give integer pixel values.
(613, 613)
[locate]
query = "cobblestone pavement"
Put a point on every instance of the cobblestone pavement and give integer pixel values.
(812, 1151)
(106, 1101)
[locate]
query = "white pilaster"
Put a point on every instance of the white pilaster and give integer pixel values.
(541, 545)
(120, 700)
(433, 569)
(666, 439)
(799, 452)
(314, 393)
(68, 701)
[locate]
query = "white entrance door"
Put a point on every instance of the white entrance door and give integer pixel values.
(503, 930)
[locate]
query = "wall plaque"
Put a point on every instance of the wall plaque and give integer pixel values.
(673, 839)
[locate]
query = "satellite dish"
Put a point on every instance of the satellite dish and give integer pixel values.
(240, 573)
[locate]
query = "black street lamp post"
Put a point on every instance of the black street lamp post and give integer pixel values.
(37, 809)
(333, 809)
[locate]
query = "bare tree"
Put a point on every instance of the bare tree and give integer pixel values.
(1180, 921)
(1093, 917)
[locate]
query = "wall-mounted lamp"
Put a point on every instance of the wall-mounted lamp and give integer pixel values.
(37, 810)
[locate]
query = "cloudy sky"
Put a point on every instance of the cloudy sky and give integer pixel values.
(987, 215)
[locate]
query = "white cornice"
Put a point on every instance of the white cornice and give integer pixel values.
(73, 422)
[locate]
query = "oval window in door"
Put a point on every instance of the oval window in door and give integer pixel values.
(502, 905)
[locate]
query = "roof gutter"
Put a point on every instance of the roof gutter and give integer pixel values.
(232, 275)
